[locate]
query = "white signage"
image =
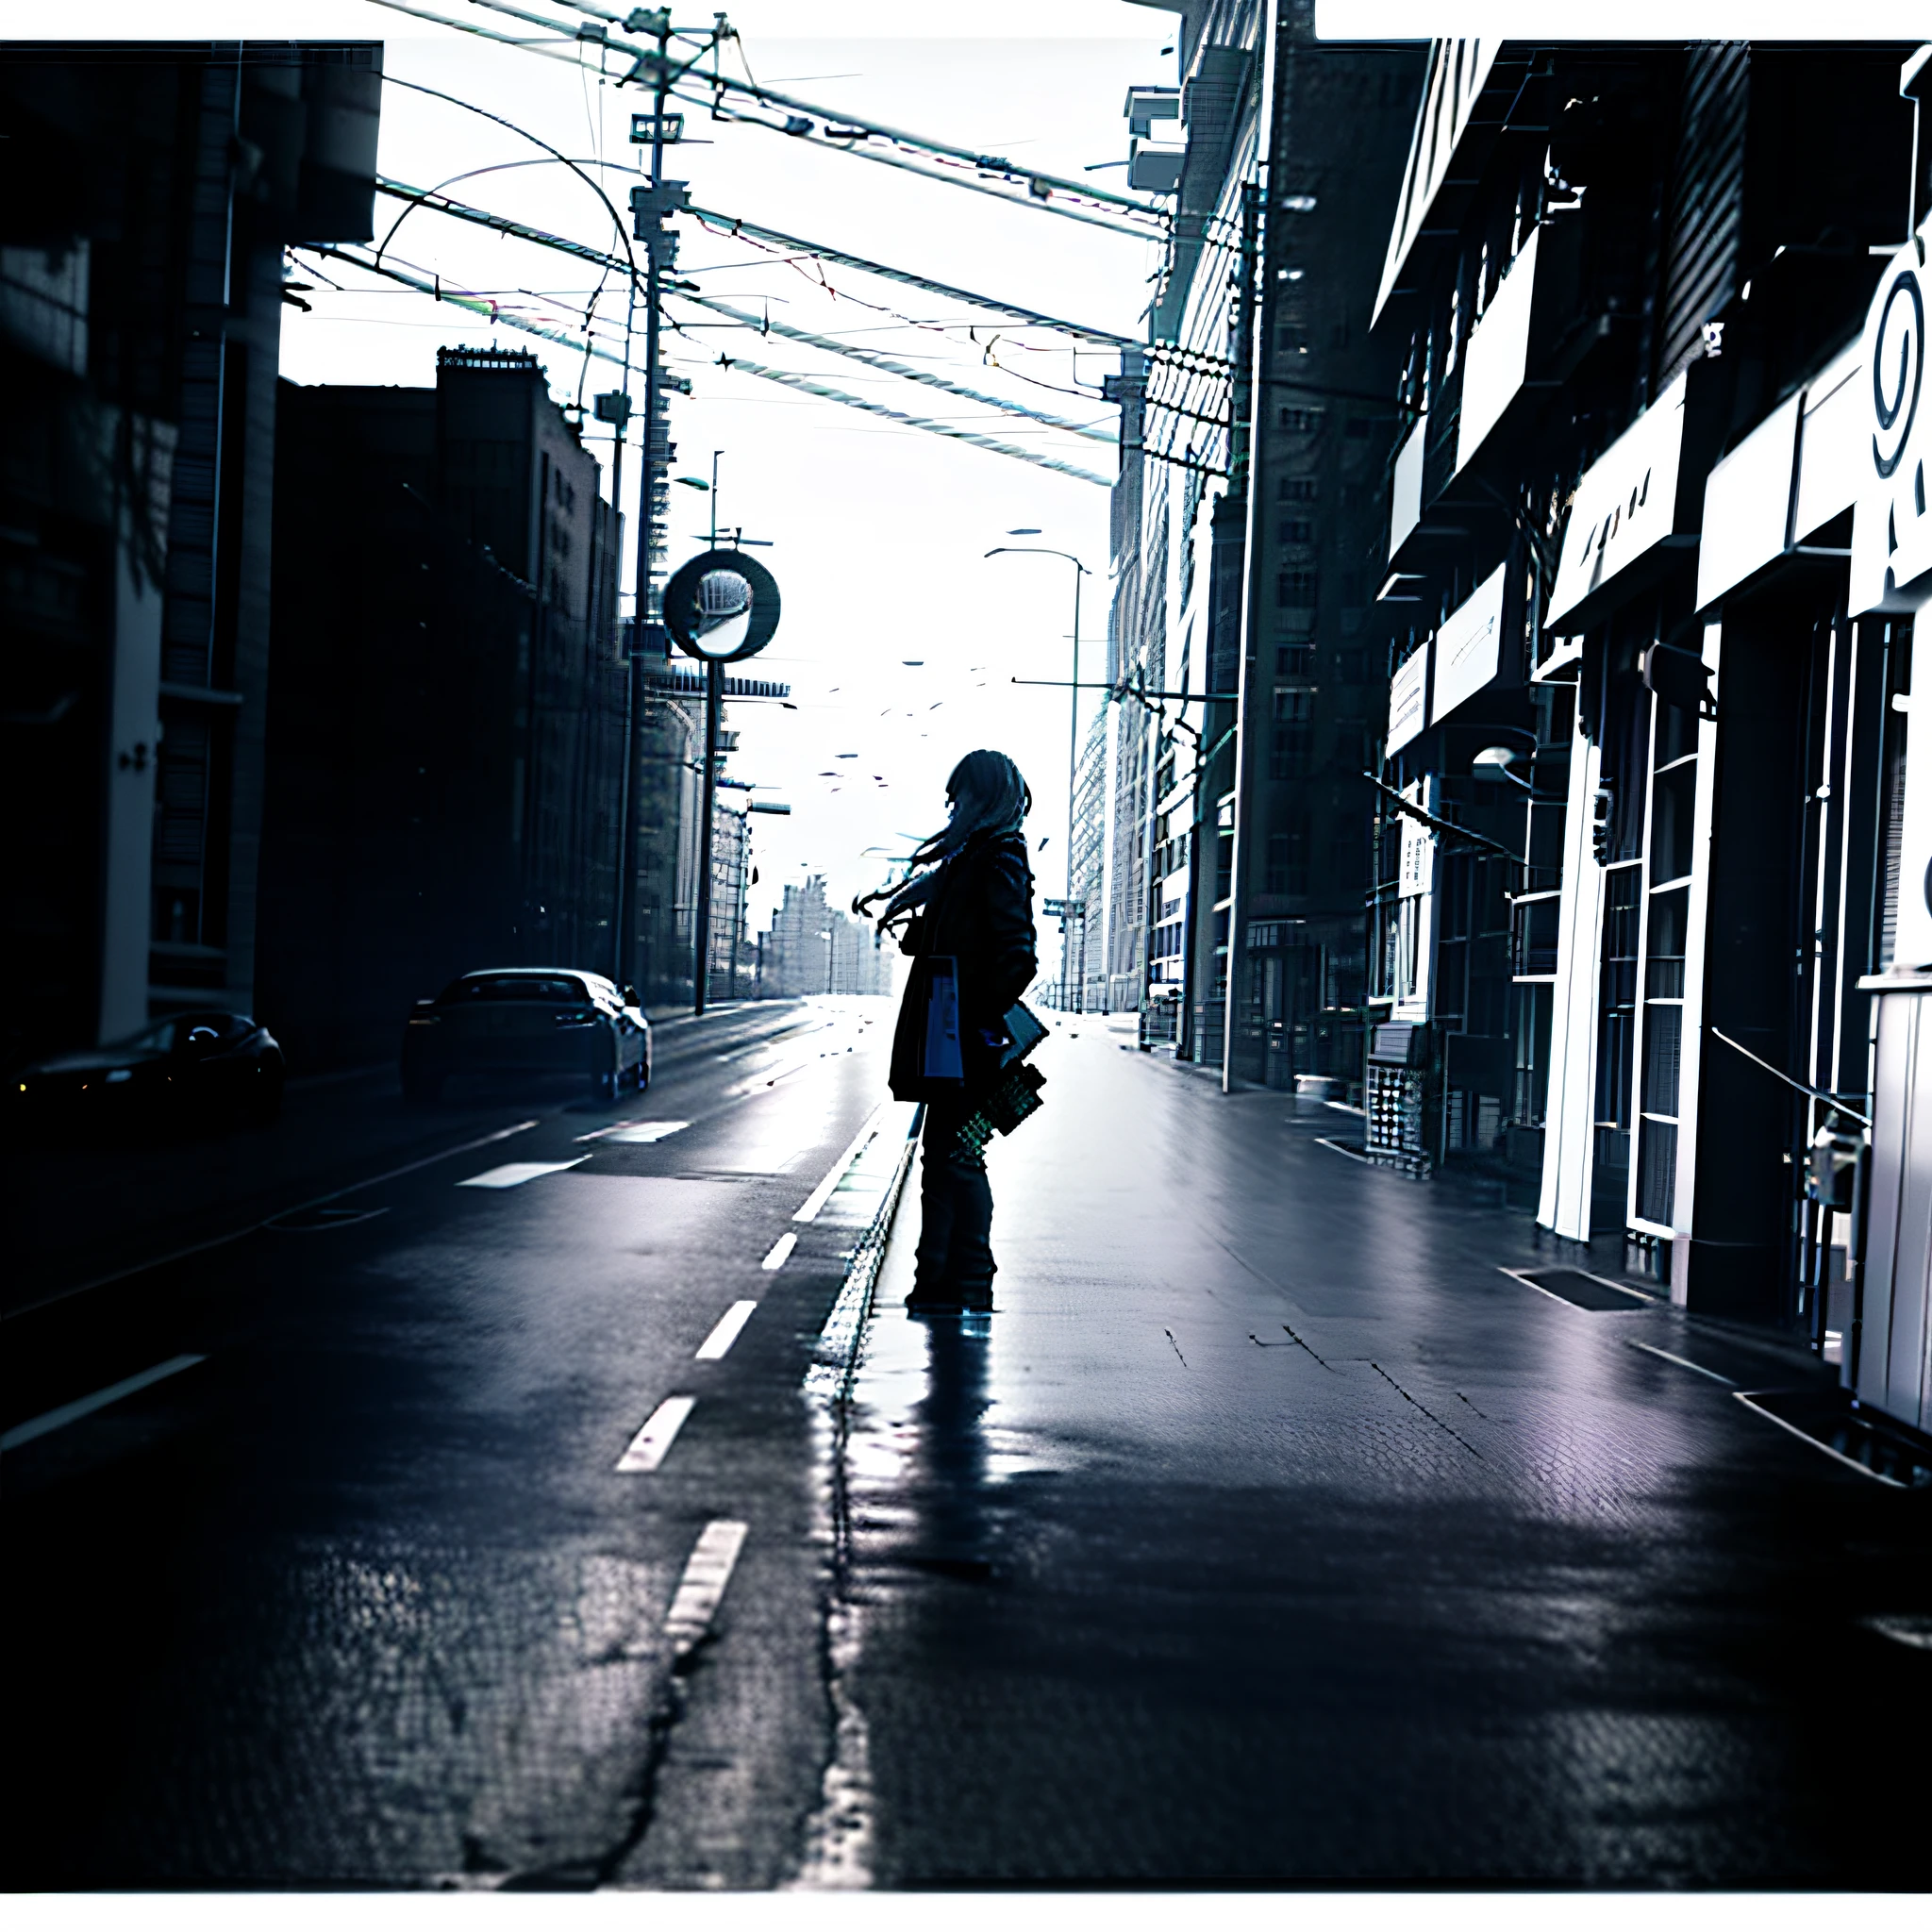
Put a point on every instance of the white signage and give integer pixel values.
(1892, 522)
(1625, 505)
(1469, 647)
(1405, 488)
(1408, 691)
(1497, 358)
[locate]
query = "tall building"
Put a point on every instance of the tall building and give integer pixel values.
(146, 193)
(1645, 745)
(1242, 654)
(812, 947)
(446, 709)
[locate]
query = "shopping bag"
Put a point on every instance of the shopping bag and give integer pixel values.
(944, 1060)
(929, 1061)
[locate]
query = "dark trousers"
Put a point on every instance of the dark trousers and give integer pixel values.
(954, 1255)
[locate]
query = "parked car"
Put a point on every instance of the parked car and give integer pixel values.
(204, 1067)
(528, 1020)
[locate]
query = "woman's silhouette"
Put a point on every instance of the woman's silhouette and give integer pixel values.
(971, 900)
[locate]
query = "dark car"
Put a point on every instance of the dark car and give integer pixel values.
(207, 1068)
(528, 1020)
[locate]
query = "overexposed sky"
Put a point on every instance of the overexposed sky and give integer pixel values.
(899, 639)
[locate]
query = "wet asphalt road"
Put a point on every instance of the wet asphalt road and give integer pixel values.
(1268, 1533)
(362, 1597)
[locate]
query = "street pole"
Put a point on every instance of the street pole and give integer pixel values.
(624, 923)
(1073, 730)
(649, 466)
(714, 705)
(1072, 748)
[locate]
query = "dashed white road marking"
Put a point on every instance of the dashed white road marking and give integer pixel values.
(702, 1587)
(1696, 1368)
(513, 1174)
(717, 1342)
(652, 1443)
(635, 1133)
(781, 1249)
(823, 1193)
(72, 1411)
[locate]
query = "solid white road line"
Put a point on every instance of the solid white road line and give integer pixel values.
(717, 1345)
(1664, 1353)
(635, 1133)
(823, 1193)
(515, 1172)
(702, 1587)
(651, 1444)
(781, 1249)
(73, 1411)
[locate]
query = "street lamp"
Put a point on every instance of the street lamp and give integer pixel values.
(1081, 571)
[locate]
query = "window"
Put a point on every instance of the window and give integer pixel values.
(1295, 704)
(1295, 490)
(1296, 530)
(1288, 756)
(1287, 861)
(1294, 589)
(1301, 422)
(1292, 659)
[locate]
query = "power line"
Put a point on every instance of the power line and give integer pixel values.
(484, 305)
(765, 325)
(503, 224)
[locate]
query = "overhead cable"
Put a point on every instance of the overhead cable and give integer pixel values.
(736, 224)
(481, 305)
(1041, 186)
(768, 326)
(811, 387)
(503, 224)
(464, 27)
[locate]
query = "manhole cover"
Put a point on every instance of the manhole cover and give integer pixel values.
(1582, 1291)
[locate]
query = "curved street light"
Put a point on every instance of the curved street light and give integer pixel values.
(1081, 571)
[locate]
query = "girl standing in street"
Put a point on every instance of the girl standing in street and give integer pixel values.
(970, 901)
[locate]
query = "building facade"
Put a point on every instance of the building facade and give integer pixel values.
(812, 947)
(148, 195)
(446, 709)
(1643, 766)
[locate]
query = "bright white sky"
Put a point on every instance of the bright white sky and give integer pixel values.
(877, 532)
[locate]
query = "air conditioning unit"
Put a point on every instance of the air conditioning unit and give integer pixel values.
(1153, 167)
(1146, 104)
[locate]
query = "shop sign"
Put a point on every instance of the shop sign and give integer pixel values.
(1405, 486)
(1497, 358)
(1747, 504)
(1892, 522)
(1408, 691)
(1469, 647)
(1625, 506)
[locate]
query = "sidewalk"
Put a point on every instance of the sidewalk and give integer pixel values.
(1269, 1532)
(77, 1211)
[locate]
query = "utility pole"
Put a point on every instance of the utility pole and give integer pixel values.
(651, 205)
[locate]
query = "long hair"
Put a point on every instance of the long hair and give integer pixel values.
(986, 793)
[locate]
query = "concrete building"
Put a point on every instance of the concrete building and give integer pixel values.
(148, 194)
(446, 709)
(1252, 430)
(812, 947)
(1643, 878)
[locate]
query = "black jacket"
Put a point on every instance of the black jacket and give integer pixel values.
(981, 915)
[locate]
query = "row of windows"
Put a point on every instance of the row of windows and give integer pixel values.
(1301, 422)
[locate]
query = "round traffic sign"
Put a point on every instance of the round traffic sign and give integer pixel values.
(722, 605)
